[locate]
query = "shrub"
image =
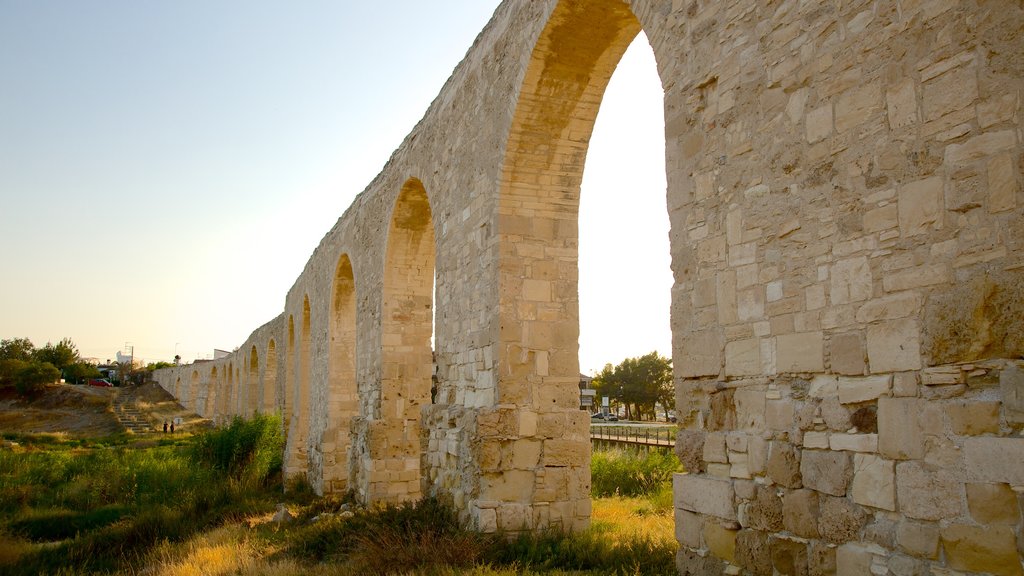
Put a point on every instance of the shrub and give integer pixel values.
(628, 473)
(250, 451)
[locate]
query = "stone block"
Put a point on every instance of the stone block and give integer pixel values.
(704, 495)
(819, 123)
(919, 539)
(980, 146)
(1002, 184)
(847, 354)
(881, 218)
(778, 414)
(753, 552)
(800, 513)
(559, 452)
(856, 558)
(993, 504)
(927, 493)
(991, 549)
(784, 464)
(1011, 389)
(757, 455)
(802, 352)
(840, 520)
(835, 415)
(821, 559)
(857, 105)
(890, 307)
(851, 280)
(701, 354)
(825, 471)
(814, 439)
(750, 408)
(714, 448)
(854, 442)
(688, 528)
(904, 384)
(874, 482)
(899, 428)
(952, 91)
(721, 541)
(823, 386)
(894, 346)
(789, 557)
(764, 512)
(921, 206)
(690, 450)
(994, 460)
(743, 357)
(853, 390)
(901, 104)
(973, 418)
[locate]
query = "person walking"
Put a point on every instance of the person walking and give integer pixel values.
(165, 426)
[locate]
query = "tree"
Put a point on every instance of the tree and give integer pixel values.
(9, 369)
(80, 371)
(158, 365)
(33, 376)
(17, 349)
(61, 355)
(639, 383)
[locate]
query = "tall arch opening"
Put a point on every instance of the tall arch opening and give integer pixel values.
(342, 401)
(193, 392)
(212, 394)
(406, 331)
(539, 232)
(232, 395)
(270, 379)
(252, 386)
(289, 375)
(299, 430)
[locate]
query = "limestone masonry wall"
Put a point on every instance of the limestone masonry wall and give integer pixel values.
(847, 241)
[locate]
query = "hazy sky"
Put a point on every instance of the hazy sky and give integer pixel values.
(166, 168)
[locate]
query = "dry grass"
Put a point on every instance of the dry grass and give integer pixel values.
(633, 517)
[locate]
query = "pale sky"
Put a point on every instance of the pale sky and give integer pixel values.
(167, 168)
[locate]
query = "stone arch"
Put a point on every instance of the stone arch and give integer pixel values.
(252, 398)
(194, 392)
(270, 379)
(406, 353)
(538, 209)
(298, 435)
(178, 392)
(211, 394)
(342, 400)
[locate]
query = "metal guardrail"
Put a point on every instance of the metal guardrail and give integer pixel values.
(640, 436)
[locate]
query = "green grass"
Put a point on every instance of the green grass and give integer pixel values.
(202, 504)
(630, 472)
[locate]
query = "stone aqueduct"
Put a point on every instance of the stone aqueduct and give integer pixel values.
(847, 242)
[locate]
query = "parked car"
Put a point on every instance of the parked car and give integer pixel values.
(101, 382)
(598, 416)
(611, 418)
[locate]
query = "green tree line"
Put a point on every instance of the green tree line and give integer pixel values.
(639, 385)
(27, 368)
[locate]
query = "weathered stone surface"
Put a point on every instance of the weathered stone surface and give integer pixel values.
(973, 418)
(764, 512)
(721, 541)
(856, 390)
(690, 450)
(824, 471)
(993, 504)
(980, 549)
(789, 557)
(704, 495)
(753, 552)
(874, 481)
(847, 354)
(689, 528)
(927, 494)
(802, 352)
(821, 560)
(784, 464)
(899, 428)
(918, 538)
(840, 520)
(696, 564)
(856, 558)
(894, 345)
(714, 448)
(750, 408)
(989, 459)
(800, 513)
(778, 414)
(722, 414)
(1011, 387)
